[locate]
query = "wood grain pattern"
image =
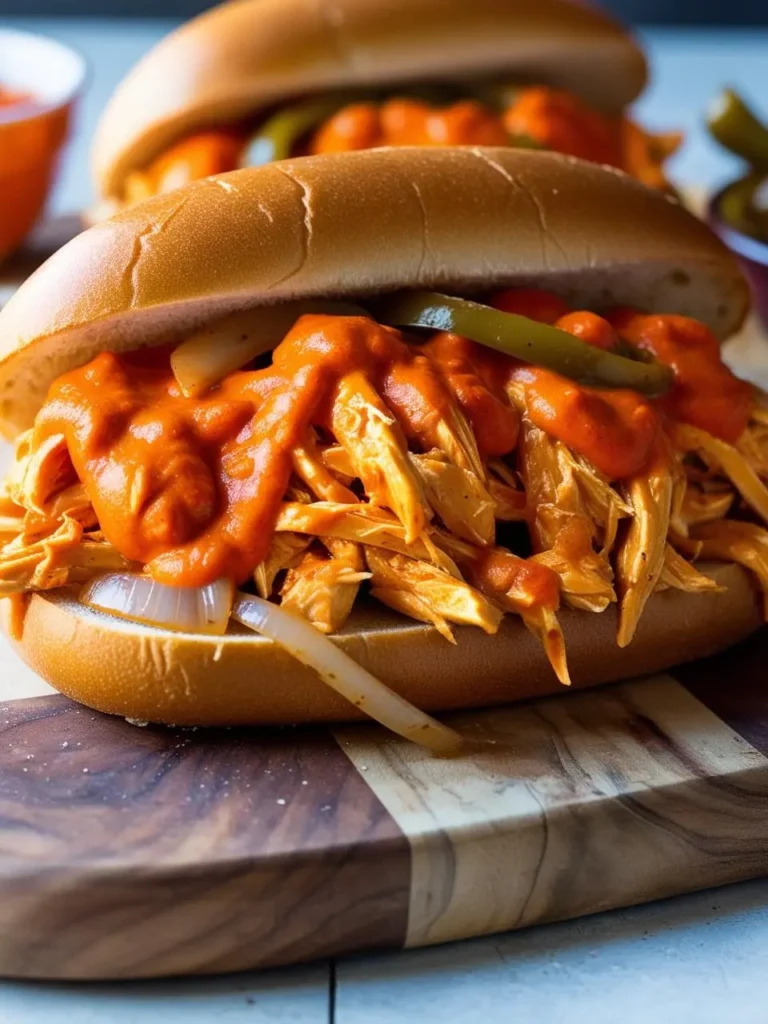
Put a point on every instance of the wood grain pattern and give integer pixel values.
(130, 852)
(734, 685)
(571, 805)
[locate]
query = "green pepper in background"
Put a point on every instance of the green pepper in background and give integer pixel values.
(737, 129)
(528, 340)
(739, 206)
(277, 138)
(279, 135)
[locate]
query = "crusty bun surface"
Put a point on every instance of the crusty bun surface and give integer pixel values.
(241, 679)
(247, 55)
(354, 224)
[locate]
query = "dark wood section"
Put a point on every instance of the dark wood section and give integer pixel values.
(139, 852)
(734, 685)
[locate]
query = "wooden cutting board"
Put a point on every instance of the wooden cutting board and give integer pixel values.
(138, 852)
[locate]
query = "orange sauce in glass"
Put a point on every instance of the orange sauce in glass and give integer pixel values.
(12, 98)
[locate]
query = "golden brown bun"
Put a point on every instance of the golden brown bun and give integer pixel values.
(241, 679)
(352, 225)
(244, 56)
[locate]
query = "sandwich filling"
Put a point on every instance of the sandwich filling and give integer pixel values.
(532, 116)
(453, 482)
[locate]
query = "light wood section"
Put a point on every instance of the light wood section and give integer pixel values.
(568, 806)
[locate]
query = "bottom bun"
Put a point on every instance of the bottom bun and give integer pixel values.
(242, 679)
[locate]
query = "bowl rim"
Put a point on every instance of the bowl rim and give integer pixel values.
(42, 109)
(743, 245)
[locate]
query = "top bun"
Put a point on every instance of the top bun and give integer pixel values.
(248, 54)
(458, 220)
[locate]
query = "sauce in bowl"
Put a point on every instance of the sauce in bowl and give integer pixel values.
(40, 81)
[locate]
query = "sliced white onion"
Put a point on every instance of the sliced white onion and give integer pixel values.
(343, 674)
(182, 609)
(215, 351)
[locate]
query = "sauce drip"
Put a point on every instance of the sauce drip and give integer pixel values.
(197, 156)
(477, 377)
(519, 580)
(552, 118)
(614, 430)
(191, 487)
(560, 121)
(705, 392)
(404, 122)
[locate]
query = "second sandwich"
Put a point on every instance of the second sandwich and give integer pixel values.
(259, 80)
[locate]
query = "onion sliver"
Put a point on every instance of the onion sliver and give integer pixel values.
(182, 609)
(343, 674)
(219, 349)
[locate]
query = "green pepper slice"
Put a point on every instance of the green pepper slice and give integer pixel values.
(739, 209)
(277, 138)
(528, 340)
(737, 129)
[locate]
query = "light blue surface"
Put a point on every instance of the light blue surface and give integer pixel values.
(280, 997)
(688, 69)
(695, 960)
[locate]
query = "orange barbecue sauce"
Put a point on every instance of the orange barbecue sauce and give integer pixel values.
(191, 488)
(550, 118)
(521, 582)
(553, 119)
(614, 430)
(705, 393)
(197, 156)
(403, 122)
(557, 120)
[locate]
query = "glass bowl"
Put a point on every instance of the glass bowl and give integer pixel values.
(33, 132)
(751, 253)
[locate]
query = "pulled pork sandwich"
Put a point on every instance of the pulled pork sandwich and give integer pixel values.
(259, 80)
(452, 418)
